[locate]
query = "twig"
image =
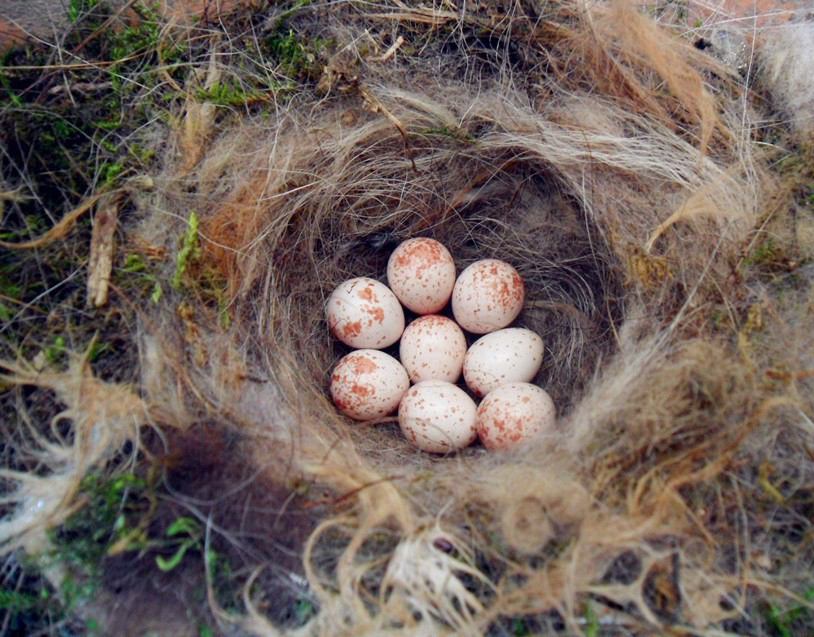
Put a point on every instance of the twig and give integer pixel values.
(376, 106)
(13, 195)
(421, 16)
(67, 222)
(25, 305)
(8, 70)
(389, 53)
(100, 264)
(10, 195)
(82, 87)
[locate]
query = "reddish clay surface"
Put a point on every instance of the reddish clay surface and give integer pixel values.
(10, 34)
(47, 19)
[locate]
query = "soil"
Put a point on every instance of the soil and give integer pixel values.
(47, 20)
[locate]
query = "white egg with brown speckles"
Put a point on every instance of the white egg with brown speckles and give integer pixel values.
(438, 417)
(368, 384)
(364, 313)
(433, 348)
(513, 415)
(510, 355)
(488, 295)
(421, 273)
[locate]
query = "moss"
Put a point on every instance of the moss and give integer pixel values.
(31, 605)
(77, 9)
(189, 251)
(135, 276)
(66, 134)
(114, 508)
(764, 254)
(788, 620)
(120, 515)
(299, 56)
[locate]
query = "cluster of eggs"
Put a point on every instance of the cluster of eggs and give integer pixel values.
(435, 414)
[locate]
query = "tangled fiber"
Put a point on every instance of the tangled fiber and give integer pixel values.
(628, 176)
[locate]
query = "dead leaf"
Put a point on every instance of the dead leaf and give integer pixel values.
(198, 117)
(101, 250)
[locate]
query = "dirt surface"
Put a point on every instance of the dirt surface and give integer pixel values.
(48, 19)
(20, 19)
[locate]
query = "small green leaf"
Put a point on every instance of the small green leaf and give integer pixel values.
(591, 621)
(303, 609)
(110, 171)
(223, 318)
(777, 620)
(155, 297)
(188, 252)
(55, 350)
(133, 263)
(519, 628)
(182, 525)
(175, 560)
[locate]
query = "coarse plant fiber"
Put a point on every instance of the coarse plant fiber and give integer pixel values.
(617, 168)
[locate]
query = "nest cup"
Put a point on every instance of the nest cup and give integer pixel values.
(362, 190)
(573, 186)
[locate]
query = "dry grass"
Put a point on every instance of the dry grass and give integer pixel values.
(627, 176)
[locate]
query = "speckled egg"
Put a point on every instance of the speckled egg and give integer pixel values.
(510, 355)
(365, 313)
(368, 384)
(488, 295)
(513, 414)
(421, 273)
(438, 417)
(433, 348)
